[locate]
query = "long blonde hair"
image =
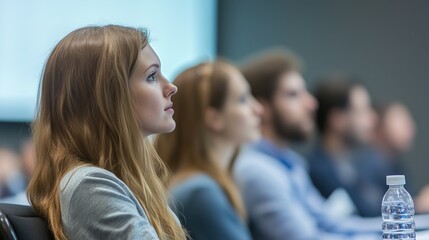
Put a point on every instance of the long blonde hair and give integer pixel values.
(86, 116)
(200, 87)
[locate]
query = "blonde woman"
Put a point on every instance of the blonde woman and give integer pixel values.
(97, 176)
(216, 114)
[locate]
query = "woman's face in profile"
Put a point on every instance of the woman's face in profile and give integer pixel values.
(241, 112)
(151, 93)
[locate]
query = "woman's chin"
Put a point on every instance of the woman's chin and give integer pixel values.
(170, 128)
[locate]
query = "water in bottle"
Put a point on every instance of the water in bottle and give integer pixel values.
(397, 210)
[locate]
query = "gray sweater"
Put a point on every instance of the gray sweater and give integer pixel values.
(95, 204)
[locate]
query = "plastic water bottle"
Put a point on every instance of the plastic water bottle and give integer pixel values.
(397, 210)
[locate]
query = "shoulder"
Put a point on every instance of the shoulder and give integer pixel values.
(258, 174)
(251, 163)
(87, 183)
(79, 174)
(249, 157)
(196, 195)
(199, 194)
(88, 175)
(197, 186)
(96, 204)
(204, 210)
(81, 171)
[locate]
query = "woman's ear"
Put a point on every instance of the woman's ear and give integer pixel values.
(214, 119)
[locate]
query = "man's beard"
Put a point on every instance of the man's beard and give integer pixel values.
(289, 131)
(352, 140)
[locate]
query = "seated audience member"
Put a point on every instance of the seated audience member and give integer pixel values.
(12, 180)
(394, 136)
(345, 120)
(97, 175)
(216, 113)
(27, 168)
(28, 156)
(280, 199)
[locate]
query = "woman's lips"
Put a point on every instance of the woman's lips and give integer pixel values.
(169, 109)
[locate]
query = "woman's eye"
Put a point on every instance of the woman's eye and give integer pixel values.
(243, 99)
(152, 77)
(292, 94)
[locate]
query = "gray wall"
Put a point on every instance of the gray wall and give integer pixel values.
(385, 42)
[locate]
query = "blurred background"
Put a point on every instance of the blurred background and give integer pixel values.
(382, 42)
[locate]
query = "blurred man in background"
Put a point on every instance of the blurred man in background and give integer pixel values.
(279, 196)
(345, 120)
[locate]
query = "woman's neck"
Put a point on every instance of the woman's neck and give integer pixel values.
(182, 175)
(221, 151)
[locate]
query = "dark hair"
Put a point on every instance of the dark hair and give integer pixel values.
(264, 70)
(332, 93)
